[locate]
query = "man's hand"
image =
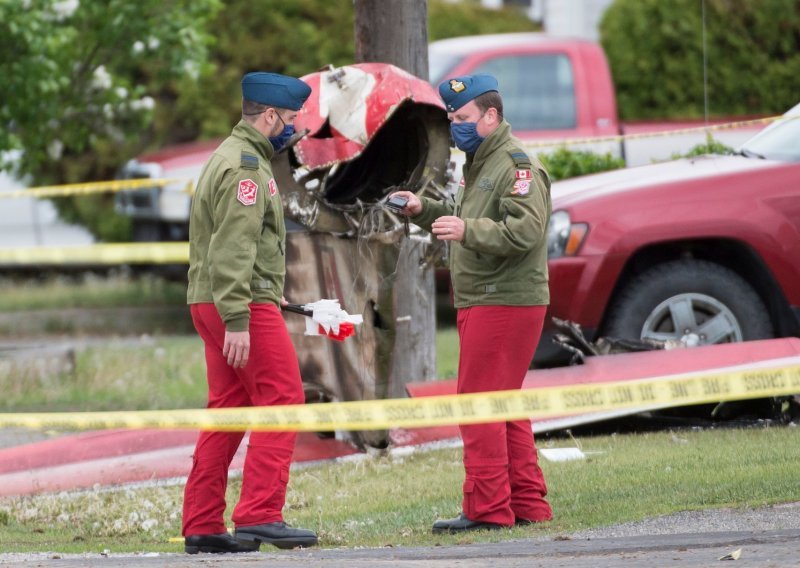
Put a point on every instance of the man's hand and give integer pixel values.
(236, 348)
(414, 205)
(448, 228)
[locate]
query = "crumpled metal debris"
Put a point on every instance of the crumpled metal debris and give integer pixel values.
(368, 129)
(571, 338)
(783, 409)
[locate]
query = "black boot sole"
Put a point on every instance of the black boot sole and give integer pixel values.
(213, 550)
(480, 527)
(282, 543)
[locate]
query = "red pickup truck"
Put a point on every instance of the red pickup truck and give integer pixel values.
(703, 250)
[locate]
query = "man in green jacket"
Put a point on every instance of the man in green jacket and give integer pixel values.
(497, 233)
(236, 275)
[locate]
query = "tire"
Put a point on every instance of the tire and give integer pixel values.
(696, 301)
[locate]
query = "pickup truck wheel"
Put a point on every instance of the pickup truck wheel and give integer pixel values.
(694, 301)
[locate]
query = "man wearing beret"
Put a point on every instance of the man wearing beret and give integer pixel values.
(497, 230)
(236, 275)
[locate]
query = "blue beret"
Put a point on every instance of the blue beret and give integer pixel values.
(275, 90)
(458, 91)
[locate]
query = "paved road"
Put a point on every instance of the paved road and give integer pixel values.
(767, 537)
(762, 549)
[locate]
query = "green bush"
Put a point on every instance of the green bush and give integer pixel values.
(446, 19)
(564, 163)
(655, 49)
(710, 146)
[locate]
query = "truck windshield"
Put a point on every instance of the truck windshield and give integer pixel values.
(779, 141)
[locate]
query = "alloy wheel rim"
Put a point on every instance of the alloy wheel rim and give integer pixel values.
(694, 319)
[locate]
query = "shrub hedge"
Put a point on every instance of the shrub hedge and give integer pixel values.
(655, 49)
(565, 163)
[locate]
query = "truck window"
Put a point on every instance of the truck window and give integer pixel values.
(538, 90)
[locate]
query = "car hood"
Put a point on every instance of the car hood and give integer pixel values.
(688, 170)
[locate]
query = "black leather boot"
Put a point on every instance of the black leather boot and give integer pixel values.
(278, 534)
(462, 524)
(216, 543)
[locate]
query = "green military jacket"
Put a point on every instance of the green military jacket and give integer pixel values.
(504, 200)
(237, 234)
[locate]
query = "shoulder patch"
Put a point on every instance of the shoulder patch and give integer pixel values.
(521, 159)
(521, 187)
(247, 192)
(249, 161)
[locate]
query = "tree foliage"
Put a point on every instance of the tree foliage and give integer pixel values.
(448, 19)
(88, 85)
(80, 74)
(297, 38)
(655, 50)
(79, 79)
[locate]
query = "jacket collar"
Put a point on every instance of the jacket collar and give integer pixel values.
(491, 143)
(248, 133)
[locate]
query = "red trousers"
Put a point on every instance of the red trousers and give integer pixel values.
(503, 480)
(271, 376)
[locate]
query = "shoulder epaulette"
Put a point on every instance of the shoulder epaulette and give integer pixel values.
(249, 161)
(521, 159)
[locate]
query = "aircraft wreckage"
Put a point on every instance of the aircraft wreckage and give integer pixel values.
(366, 131)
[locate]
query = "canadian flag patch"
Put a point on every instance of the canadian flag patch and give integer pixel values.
(273, 187)
(521, 187)
(524, 174)
(248, 190)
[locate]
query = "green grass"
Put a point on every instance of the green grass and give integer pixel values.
(143, 374)
(139, 374)
(385, 500)
(380, 500)
(446, 352)
(89, 291)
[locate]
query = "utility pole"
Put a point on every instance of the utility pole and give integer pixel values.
(396, 32)
(393, 31)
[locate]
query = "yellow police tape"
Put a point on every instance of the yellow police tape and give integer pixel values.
(133, 184)
(661, 134)
(548, 402)
(96, 187)
(112, 254)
